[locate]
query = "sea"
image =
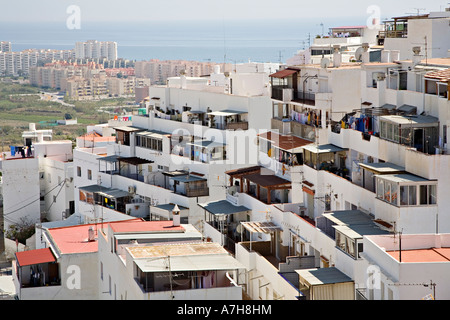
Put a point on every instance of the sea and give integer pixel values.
(230, 41)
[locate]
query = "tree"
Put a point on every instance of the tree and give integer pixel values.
(21, 231)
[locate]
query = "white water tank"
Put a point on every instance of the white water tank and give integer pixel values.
(216, 69)
(32, 126)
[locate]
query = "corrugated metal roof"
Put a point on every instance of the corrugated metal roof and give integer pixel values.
(222, 207)
(411, 120)
(190, 263)
(403, 178)
(324, 148)
(348, 217)
(283, 73)
(261, 227)
(267, 180)
(382, 167)
(30, 257)
(358, 231)
(321, 276)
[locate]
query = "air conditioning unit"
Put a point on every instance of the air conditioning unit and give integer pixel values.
(132, 189)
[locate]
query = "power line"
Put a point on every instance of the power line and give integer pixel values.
(4, 215)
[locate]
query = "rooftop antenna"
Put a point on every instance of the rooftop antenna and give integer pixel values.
(418, 11)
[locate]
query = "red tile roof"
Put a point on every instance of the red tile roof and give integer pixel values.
(30, 257)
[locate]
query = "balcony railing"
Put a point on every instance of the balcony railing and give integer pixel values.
(282, 93)
(392, 34)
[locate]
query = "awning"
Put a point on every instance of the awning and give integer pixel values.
(128, 129)
(114, 193)
(30, 257)
(241, 171)
(348, 217)
(207, 144)
(406, 178)
(260, 227)
(226, 113)
(382, 167)
(188, 178)
(152, 134)
(112, 158)
(325, 148)
(358, 231)
(104, 191)
(289, 143)
(413, 121)
(222, 207)
(283, 73)
(267, 180)
(190, 263)
(322, 276)
(407, 109)
(134, 160)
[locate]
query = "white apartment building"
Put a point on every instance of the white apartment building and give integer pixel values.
(428, 31)
(96, 49)
(20, 62)
(159, 71)
(406, 267)
(5, 46)
(165, 260)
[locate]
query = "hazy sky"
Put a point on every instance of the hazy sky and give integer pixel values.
(151, 10)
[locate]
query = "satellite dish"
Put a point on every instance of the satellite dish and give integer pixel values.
(325, 62)
(358, 53)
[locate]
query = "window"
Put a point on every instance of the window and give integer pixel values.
(427, 194)
(101, 270)
(89, 174)
(78, 171)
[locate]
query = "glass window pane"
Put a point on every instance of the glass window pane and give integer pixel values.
(423, 194)
(394, 193)
(412, 195)
(432, 194)
(403, 195)
(380, 189)
(387, 191)
(389, 131)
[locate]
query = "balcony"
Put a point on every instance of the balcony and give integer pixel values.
(35, 273)
(282, 93)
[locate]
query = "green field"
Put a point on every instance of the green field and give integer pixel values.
(21, 104)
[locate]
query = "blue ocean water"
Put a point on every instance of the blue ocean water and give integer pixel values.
(216, 41)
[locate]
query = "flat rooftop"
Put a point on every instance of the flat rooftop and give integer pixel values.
(74, 239)
(422, 255)
(197, 248)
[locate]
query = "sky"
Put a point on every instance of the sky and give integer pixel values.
(169, 10)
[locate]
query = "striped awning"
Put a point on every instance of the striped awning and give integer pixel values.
(260, 227)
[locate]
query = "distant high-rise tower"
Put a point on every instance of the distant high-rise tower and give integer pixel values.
(5, 46)
(96, 49)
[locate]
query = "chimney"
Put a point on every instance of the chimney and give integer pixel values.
(385, 56)
(183, 79)
(176, 216)
(416, 57)
(395, 55)
(91, 235)
(337, 58)
(365, 55)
